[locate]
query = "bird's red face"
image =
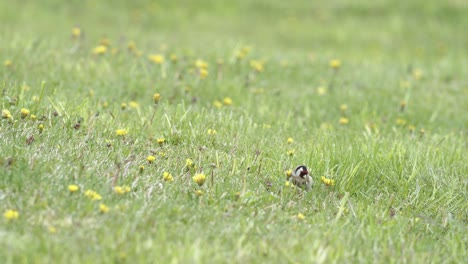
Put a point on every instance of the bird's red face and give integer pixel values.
(301, 171)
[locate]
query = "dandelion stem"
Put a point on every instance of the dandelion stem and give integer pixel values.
(342, 206)
(212, 177)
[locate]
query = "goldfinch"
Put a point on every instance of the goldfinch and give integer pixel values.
(301, 178)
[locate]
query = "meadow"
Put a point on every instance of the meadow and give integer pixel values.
(166, 131)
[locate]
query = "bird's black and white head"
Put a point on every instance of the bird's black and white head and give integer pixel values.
(301, 177)
(301, 171)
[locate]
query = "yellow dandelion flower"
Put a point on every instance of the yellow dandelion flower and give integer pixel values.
(11, 214)
(131, 46)
(343, 107)
(287, 184)
(6, 114)
(412, 128)
(227, 101)
(321, 90)
(73, 188)
(167, 176)
(203, 73)
(141, 169)
(417, 74)
(289, 173)
(246, 49)
(335, 64)
(105, 42)
(7, 63)
(103, 208)
(300, 216)
(121, 132)
(33, 117)
(198, 193)
(290, 140)
(161, 141)
(291, 152)
(162, 154)
(122, 189)
(119, 190)
(151, 158)
(189, 163)
(217, 104)
(156, 98)
(156, 58)
(328, 182)
(134, 104)
(343, 121)
(199, 179)
(240, 55)
(94, 196)
(123, 106)
(173, 57)
(138, 53)
(99, 50)
(52, 230)
(41, 128)
(402, 105)
(401, 121)
(201, 64)
(76, 32)
(257, 65)
(212, 132)
(243, 52)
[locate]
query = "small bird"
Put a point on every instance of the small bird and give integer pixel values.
(301, 178)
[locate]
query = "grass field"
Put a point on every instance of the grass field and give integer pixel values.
(163, 132)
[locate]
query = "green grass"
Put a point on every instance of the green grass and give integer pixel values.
(400, 171)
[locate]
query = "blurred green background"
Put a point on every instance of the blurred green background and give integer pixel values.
(358, 29)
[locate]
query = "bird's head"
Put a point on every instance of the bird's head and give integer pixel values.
(301, 171)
